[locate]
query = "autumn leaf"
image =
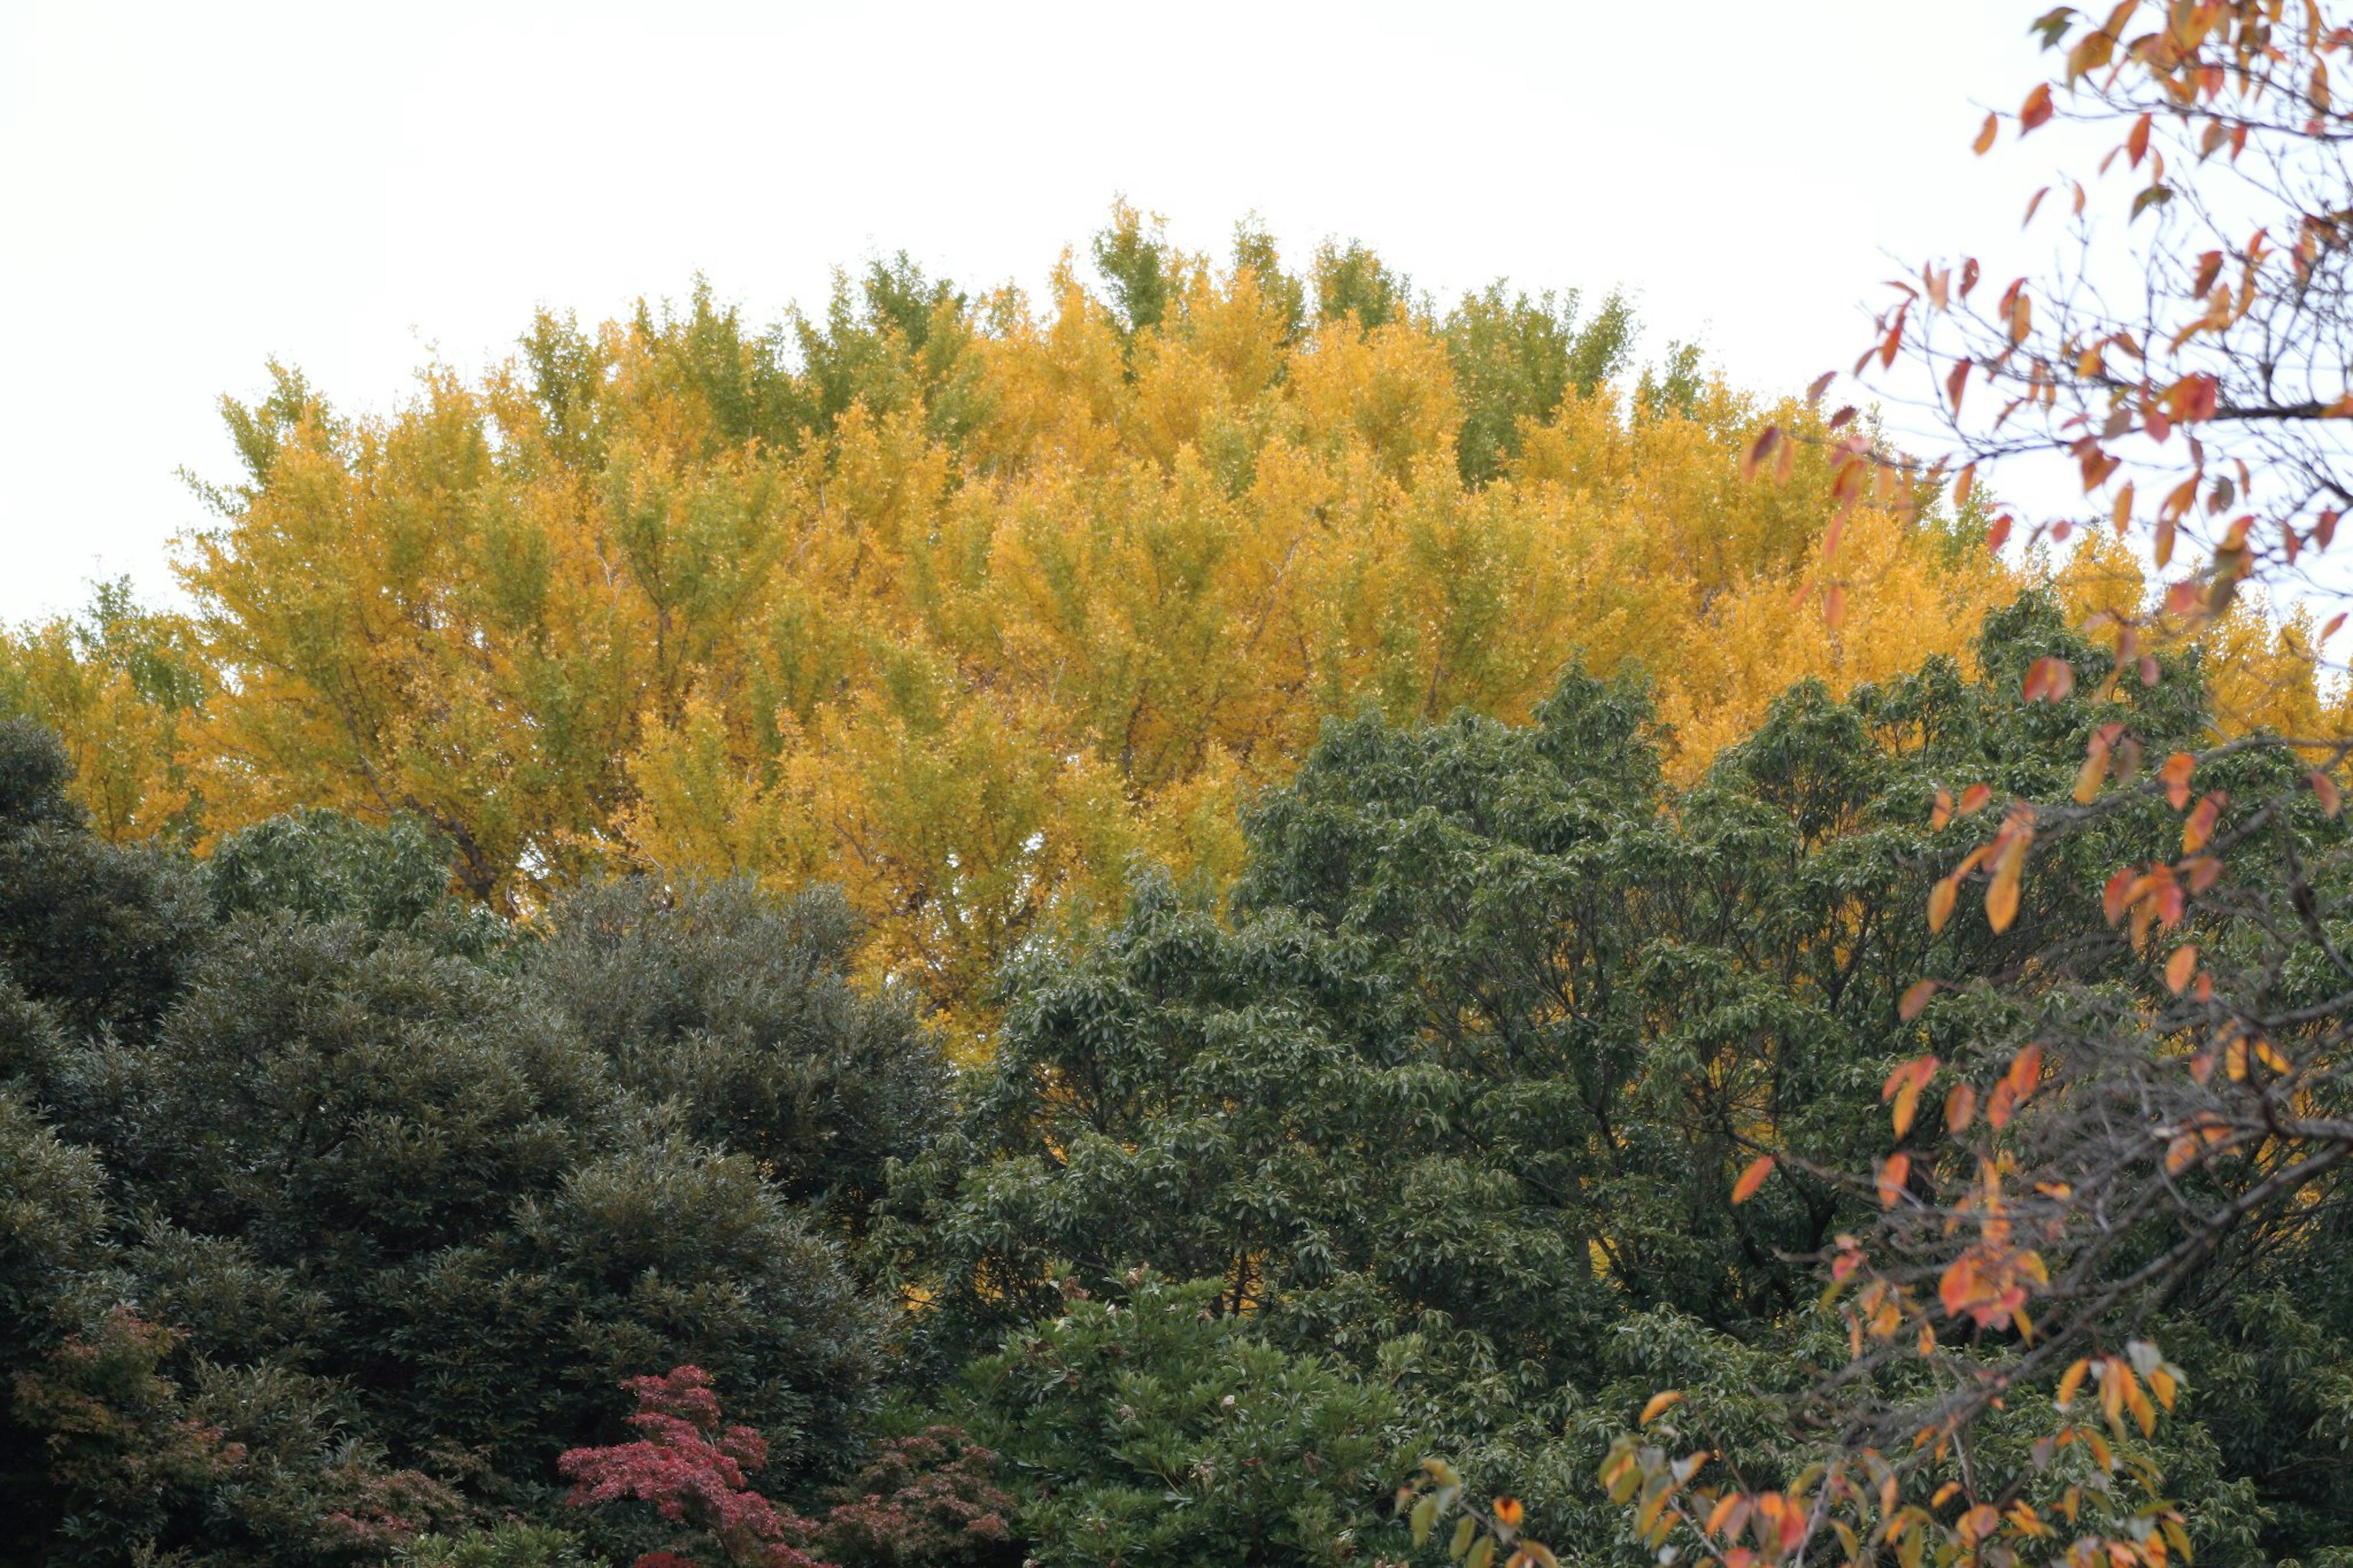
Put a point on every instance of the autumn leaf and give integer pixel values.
(2036, 111)
(2200, 829)
(1893, 1171)
(2049, 679)
(1659, 1406)
(2181, 967)
(2071, 1381)
(1915, 997)
(2176, 775)
(1941, 898)
(2002, 894)
(1752, 1178)
(1986, 135)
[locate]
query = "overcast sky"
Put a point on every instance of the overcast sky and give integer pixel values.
(187, 192)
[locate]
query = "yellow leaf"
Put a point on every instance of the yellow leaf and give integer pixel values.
(2002, 895)
(1907, 1102)
(1661, 1403)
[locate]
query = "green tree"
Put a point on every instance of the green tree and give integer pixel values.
(1154, 1431)
(740, 1008)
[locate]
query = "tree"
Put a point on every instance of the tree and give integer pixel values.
(1498, 1032)
(1157, 1432)
(2141, 1123)
(967, 603)
(104, 934)
(380, 1206)
(740, 1009)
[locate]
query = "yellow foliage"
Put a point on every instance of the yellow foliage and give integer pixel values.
(965, 606)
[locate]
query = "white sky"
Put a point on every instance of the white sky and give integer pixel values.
(187, 191)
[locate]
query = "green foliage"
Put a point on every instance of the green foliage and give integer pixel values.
(739, 1009)
(1157, 1431)
(104, 934)
(1514, 358)
(318, 1195)
(1350, 280)
(1494, 1023)
(1134, 261)
(322, 865)
(510, 1543)
(331, 1214)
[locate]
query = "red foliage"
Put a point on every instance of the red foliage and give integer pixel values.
(925, 1500)
(929, 1498)
(692, 1469)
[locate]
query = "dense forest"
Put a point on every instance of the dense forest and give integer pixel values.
(967, 604)
(1230, 915)
(342, 1208)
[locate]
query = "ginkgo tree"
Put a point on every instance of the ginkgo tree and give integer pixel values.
(969, 602)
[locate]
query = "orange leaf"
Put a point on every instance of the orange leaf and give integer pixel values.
(2176, 775)
(1940, 901)
(1943, 811)
(2072, 1380)
(2009, 867)
(1960, 1107)
(2095, 772)
(1907, 1103)
(2049, 679)
(1992, 129)
(2025, 1072)
(2036, 109)
(1914, 998)
(2325, 788)
(1974, 798)
(1893, 1171)
(1508, 1512)
(2199, 828)
(1750, 1180)
(1659, 1406)
(2181, 967)
(1956, 382)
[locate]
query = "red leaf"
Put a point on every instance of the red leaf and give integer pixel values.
(2325, 788)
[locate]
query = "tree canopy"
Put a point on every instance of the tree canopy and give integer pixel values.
(962, 602)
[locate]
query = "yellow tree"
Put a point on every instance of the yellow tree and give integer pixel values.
(967, 604)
